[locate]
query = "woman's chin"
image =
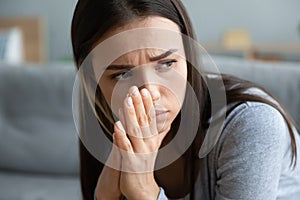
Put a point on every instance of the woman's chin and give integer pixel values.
(163, 128)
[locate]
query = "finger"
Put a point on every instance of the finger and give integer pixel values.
(122, 119)
(141, 116)
(132, 126)
(121, 139)
(133, 130)
(138, 106)
(150, 110)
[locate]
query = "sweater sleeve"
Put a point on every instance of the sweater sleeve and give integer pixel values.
(162, 195)
(250, 155)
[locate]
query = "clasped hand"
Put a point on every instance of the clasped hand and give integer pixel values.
(135, 144)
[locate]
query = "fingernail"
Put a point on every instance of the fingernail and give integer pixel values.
(134, 91)
(144, 92)
(120, 126)
(129, 101)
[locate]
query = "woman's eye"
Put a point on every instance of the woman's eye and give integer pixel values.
(165, 65)
(122, 75)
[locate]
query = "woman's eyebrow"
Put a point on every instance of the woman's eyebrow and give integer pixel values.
(128, 67)
(119, 67)
(164, 55)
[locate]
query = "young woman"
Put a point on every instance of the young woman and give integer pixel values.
(153, 94)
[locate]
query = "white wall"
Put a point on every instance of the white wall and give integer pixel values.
(267, 20)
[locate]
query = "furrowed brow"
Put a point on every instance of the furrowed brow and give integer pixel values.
(119, 67)
(128, 67)
(164, 55)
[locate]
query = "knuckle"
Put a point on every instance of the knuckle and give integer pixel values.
(117, 136)
(149, 119)
(131, 112)
(137, 98)
(127, 146)
(135, 131)
(143, 119)
(138, 102)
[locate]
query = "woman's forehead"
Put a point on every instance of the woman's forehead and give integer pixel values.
(145, 54)
(156, 22)
(147, 38)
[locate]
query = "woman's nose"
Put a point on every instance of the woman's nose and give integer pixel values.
(147, 79)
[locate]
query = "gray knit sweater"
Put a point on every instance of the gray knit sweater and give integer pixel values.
(251, 160)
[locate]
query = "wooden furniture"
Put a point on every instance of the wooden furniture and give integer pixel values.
(237, 42)
(236, 39)
(33, 33)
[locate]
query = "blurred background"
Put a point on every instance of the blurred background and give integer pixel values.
(268, 29)
(257, 40)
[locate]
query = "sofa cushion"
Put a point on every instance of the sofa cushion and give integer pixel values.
(36, 187)
(282, 79)
(36, 124)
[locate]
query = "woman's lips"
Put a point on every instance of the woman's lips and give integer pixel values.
(161, 116)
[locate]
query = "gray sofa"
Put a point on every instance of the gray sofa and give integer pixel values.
(282, 79)
(39, 144)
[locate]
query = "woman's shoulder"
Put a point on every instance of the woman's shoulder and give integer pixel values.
(252, 156)
(251, 126)
(255, 145)
(253, 129)
(254, 122)
(256, 116)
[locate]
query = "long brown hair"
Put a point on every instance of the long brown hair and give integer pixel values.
(92, 18)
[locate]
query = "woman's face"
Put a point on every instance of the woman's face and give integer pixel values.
(162, 71)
